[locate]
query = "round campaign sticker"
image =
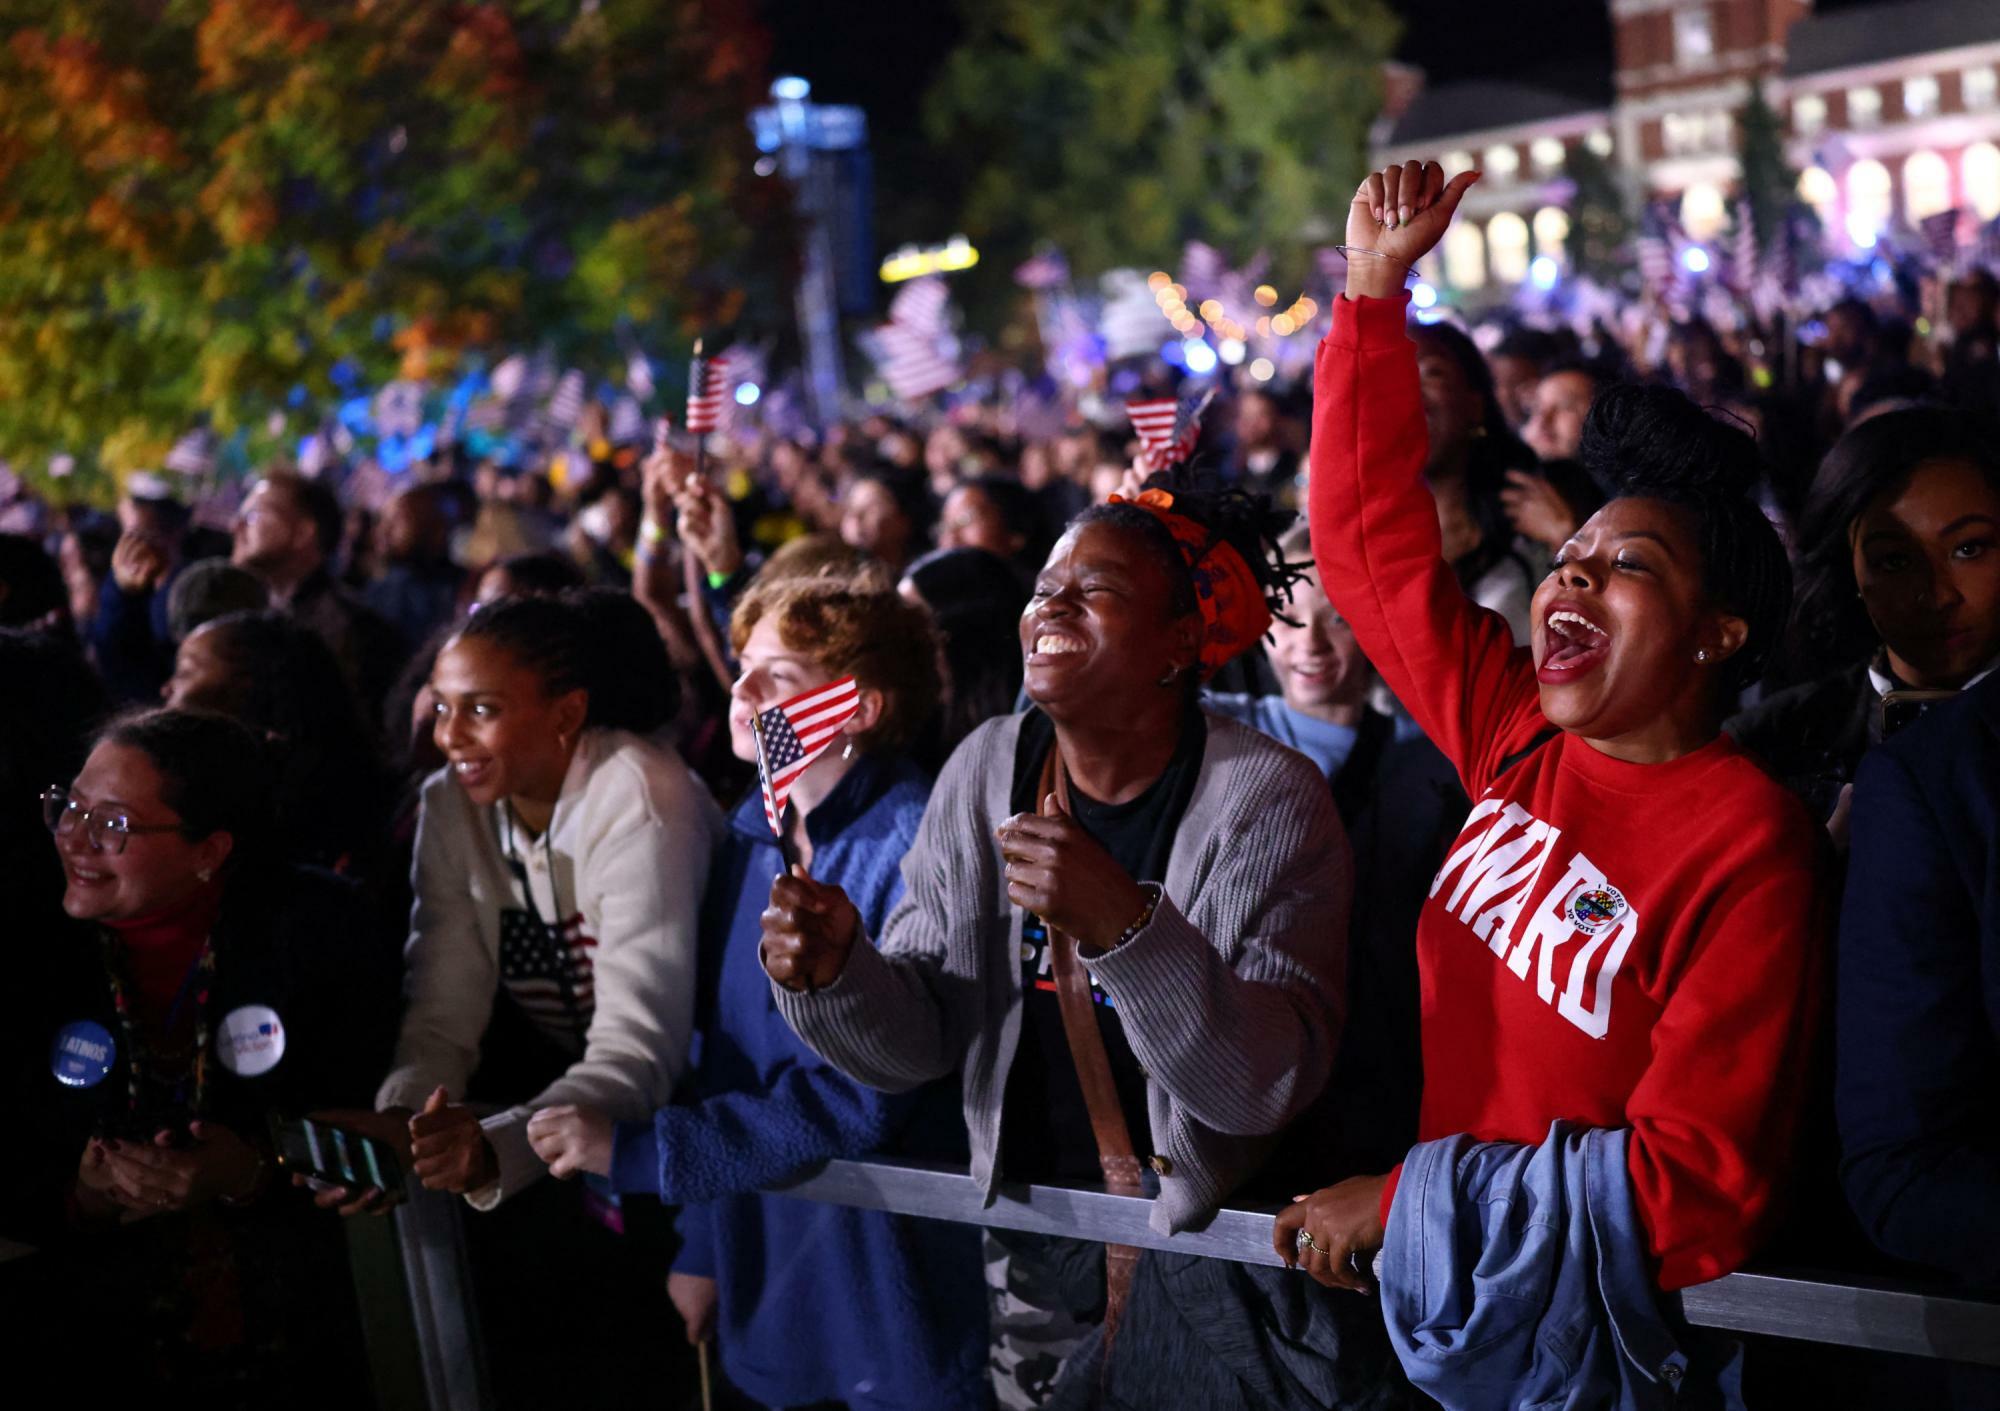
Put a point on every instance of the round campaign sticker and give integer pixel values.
(1594, 908)
(82, 1054)
(250, 1040)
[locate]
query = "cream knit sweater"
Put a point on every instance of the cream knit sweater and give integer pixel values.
(629, 846)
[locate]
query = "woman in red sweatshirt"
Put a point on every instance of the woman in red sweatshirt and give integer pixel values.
(1627, 932)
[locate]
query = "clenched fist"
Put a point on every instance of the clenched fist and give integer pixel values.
(809, 928)
(1062, 874)
(1399, 213)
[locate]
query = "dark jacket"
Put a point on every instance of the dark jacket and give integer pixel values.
(368, 649)
(415, 598)
(220, 1305)
(1812, 736)
(1918, 998)
(131, 642)
(1517, 1276)
(291, 939)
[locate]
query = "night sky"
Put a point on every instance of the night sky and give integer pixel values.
(883, 54)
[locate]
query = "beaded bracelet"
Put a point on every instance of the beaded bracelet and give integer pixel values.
(1153, 894)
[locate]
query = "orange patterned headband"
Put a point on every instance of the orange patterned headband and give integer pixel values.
(1234, 612)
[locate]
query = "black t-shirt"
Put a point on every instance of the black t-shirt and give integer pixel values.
(1045, 1129)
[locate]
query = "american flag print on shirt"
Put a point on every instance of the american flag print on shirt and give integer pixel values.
(1168, 427)
(794, 733)
(549, 975)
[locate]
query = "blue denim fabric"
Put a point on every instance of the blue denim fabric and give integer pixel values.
(1515, 1278)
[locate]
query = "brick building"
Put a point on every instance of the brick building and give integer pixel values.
(1891, 113)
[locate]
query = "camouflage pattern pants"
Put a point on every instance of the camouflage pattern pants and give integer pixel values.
(1046, 1296)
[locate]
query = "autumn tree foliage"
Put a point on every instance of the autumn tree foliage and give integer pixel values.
(207, 206)
(1120, 129)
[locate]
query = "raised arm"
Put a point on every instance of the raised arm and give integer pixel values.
(1374, 523)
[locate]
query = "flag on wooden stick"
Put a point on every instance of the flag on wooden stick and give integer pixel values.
(794, 733)
(708, 393)
(1168, 427)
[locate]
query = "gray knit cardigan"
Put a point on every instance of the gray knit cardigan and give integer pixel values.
(1232, 997)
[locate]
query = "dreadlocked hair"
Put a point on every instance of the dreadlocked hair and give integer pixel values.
(1245, 520)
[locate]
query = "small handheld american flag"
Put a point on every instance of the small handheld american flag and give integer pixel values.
(1168, 427)
(708, 392)
(794, 733)
(1940, 235)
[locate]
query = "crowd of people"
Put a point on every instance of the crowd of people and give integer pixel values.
(1523, 809)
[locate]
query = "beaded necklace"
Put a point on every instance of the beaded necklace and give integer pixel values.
(199, 978)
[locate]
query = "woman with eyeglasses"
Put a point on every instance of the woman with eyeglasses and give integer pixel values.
(203, 992)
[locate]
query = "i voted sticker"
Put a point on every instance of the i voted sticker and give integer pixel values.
(82, 1054)
(250, 1040)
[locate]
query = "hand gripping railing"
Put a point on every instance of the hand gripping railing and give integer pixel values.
(1877, 1316)
(1816, 1307)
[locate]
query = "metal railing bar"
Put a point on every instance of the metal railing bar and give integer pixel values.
(1830, 1308)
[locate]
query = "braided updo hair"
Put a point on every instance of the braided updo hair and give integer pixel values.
(1654, 443)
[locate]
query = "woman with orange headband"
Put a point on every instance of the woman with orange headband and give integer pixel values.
(1133, 998)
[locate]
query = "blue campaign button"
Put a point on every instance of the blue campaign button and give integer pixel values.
(82, 1054)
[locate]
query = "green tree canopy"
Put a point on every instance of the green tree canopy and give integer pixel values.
(1769, 184)
(1122, 128)
(205, 204)
(1601, 222)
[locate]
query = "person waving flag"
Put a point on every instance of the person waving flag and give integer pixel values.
(708, 393)
(794, 733)
(1168, 427)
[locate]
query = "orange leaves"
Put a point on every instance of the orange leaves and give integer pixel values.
(237, 199)
(206, 205)
(103, 106)
(483, 56)
(113, 221)
(432, 343)
(238, 37)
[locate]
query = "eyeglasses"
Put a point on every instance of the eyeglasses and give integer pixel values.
(107, 829)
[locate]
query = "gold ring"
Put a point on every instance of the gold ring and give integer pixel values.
(1304, 1242)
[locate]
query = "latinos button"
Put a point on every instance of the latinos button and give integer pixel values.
(82, 1054)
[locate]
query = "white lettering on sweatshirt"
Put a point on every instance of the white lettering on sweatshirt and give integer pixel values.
(1496, 868)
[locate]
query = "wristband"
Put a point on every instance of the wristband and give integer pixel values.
(651, 531)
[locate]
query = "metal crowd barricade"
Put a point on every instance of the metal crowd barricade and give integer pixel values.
(1813, 1307)
(1842, 1309)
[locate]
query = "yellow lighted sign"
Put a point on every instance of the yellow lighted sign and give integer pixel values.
(914, 261)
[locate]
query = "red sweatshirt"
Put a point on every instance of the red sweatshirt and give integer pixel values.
(1619, 945)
